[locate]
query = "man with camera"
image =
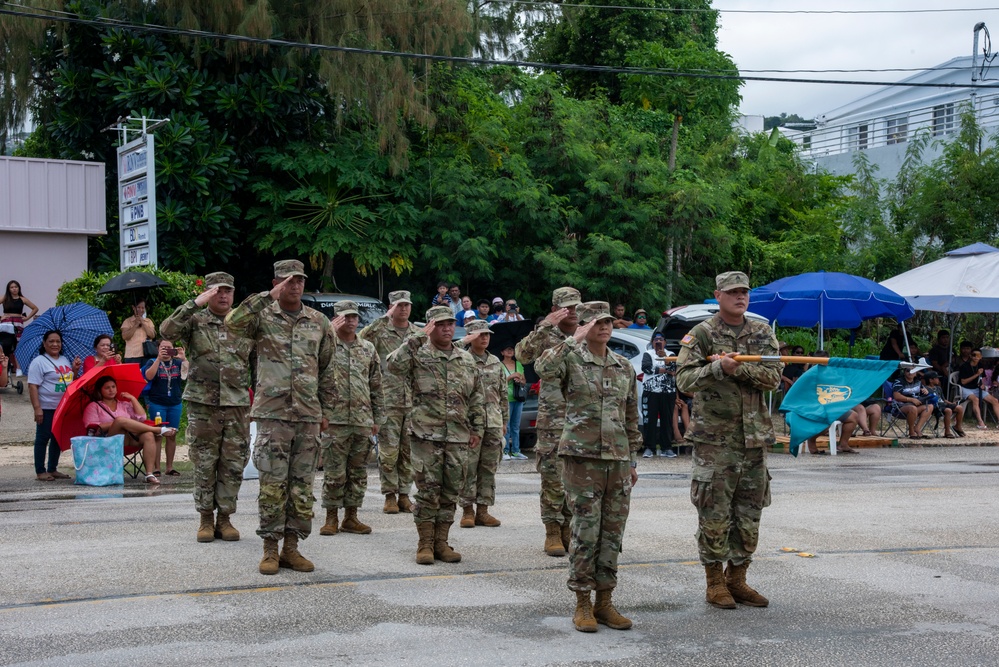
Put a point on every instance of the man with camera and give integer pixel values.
(218, 401)
(511, 314)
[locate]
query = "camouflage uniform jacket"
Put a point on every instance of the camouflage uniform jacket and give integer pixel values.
(551, 402)
(219, 360)
(448, 400)
(358, 378)
(387, 339)
(294, 353)
(494, 386)
(601, 401)
(728, 409)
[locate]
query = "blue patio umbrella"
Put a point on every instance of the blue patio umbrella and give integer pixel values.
(79, 324)
(827, 300)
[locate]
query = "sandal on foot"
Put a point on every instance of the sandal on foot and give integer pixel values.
(867, 433)
(151, 479)
(950, 436)
(959, 432)
(58, 475)
(44, 477)
(173, 473)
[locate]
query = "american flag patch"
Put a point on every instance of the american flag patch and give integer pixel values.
(687, 340)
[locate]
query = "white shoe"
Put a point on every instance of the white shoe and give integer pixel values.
(647, 454)
(520, 457)
(19, 374)
(506, 457)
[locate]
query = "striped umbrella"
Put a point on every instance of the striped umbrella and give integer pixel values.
(79, 324)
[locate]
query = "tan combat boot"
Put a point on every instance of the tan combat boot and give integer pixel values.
(391, 506)
(553, 540)
(332, 522)
(404, 504)
(583, 618)
(269, 563)
(290, 557)
(225, 530)
(467, 517)
(442, 550)
(425, 548)
(484, 518)
(605, 612)
(565, 532)
(735, 581)
(206, 531)
(351, 524)
(717, 593)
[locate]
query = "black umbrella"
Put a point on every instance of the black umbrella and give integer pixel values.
(508, 334)
(131, 280)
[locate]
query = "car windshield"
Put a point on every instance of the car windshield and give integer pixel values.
(367, 311)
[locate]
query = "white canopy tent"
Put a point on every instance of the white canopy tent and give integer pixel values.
(965, 280)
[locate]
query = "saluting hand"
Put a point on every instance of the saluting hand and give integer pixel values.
(430, 326)
(469, 337)
(278, 289)
(581, 332)
(204, 297)
(339, 322)
(391, 310)
(557, 316)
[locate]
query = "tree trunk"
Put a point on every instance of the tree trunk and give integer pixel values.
(672, 142)
(328, 279)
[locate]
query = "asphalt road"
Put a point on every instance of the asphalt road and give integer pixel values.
(905, 571)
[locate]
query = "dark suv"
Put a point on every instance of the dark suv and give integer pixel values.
(369, 308)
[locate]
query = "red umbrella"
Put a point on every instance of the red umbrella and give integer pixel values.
(68, 419)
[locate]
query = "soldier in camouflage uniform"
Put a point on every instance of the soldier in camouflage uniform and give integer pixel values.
(396, 470)
(448, 415)
(294, 395)
(481, 462)
(217, 400)
(356, 413)
(599, 448)
(729, 427)
(561, 322)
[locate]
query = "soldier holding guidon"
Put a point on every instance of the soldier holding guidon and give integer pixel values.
(481, 462)
(448, 416)
(730, 426)
(292, 404)
(561, 322)
(598, 448)
(218, 402)
(387, 333)
(354, 420)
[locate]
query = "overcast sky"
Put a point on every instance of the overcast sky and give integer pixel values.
(841, 41)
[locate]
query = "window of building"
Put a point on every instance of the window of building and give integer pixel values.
(806, 142)
(897, 129)
(943, 119)
(857, 137)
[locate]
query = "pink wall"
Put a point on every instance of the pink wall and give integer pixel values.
(41, 263)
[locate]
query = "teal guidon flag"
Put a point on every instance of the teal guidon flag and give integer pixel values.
(824, 393)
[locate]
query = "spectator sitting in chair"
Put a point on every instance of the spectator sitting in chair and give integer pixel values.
(641, 320)
(848, 423)
(792, 372)
(970, 378)
(944, 408)
(912, 400)
(121, 414)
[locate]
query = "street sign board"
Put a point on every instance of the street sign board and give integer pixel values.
(137, 256)
(136, 235)
(137, 202)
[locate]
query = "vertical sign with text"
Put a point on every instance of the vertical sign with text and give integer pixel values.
(137, 203)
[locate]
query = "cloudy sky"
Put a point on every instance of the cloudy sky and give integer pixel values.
(842, 41)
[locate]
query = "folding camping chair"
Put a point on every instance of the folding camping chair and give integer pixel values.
(891, 415)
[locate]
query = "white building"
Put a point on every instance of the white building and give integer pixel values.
(882, 122)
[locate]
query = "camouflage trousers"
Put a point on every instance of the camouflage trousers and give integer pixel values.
(729, 487)
(599, 494)
(394, 461)
(480, 465)
(548, 464)
(286, 454)
(345, 465)
(218, 440)
(438, 473)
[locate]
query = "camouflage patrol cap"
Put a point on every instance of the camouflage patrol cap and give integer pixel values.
(440, 314)
(478, 325)
(399, 296)
(731, 280)
(564, 297)
(593, 310)
(219, 279)
(345, 308)
(289, 267)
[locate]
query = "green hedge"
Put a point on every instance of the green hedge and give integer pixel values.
(160, 301)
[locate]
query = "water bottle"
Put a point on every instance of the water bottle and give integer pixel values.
(158, 420)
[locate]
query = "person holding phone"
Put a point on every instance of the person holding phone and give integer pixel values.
(512, 312)
(104, 354)
(166, 374)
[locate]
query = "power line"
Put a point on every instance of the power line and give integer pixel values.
(559, 67)
(701, 10)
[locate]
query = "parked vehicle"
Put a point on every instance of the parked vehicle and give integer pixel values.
(368, 307)
(680, 321)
